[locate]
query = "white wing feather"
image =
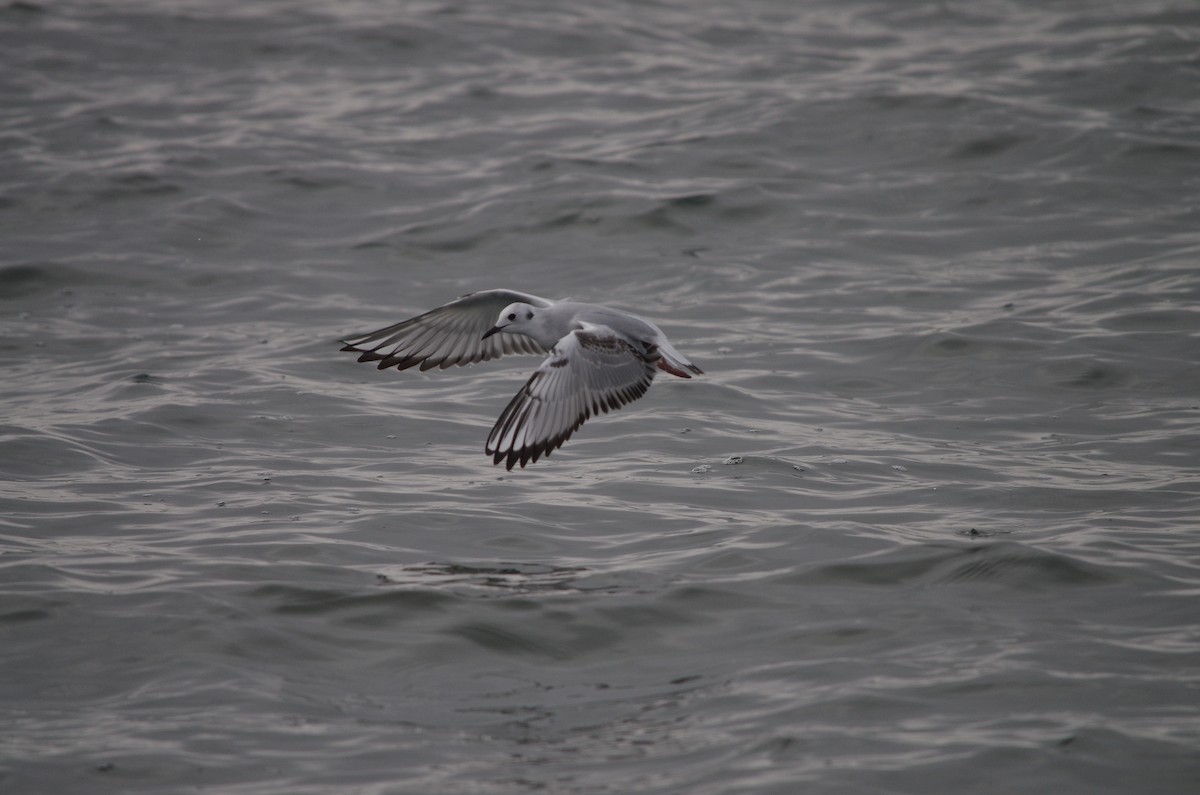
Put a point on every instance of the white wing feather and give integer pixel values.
(449, 335)
(587, 372)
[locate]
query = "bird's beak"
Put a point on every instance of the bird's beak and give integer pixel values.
(490, 332)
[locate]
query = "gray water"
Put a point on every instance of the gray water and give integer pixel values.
(928, 524)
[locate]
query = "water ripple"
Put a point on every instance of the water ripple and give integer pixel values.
(926, 520)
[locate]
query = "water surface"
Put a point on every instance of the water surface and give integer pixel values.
(927, 524)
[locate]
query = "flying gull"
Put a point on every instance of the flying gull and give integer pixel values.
(599, 360)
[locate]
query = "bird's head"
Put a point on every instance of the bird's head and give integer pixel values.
(515, 319)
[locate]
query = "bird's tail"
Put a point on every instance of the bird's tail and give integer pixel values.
(675, 362)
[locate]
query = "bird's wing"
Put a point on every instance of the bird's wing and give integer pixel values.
(587, 372)
(449, 335)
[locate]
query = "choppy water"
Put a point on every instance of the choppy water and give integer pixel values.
(928, 524)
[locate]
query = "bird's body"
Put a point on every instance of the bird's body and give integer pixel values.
(599, 359)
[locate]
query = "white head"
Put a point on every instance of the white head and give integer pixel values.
(516, 318)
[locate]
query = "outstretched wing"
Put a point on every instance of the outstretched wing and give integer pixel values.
(587, 372)
(449, 335)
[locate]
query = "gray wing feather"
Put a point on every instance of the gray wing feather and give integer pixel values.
(587, 372)
(449, 335)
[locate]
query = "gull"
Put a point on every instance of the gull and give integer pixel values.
(599, 360)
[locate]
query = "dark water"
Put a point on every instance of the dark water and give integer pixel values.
(927, 525)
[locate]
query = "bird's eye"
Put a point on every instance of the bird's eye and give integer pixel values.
(529, 316)
(512, 315)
